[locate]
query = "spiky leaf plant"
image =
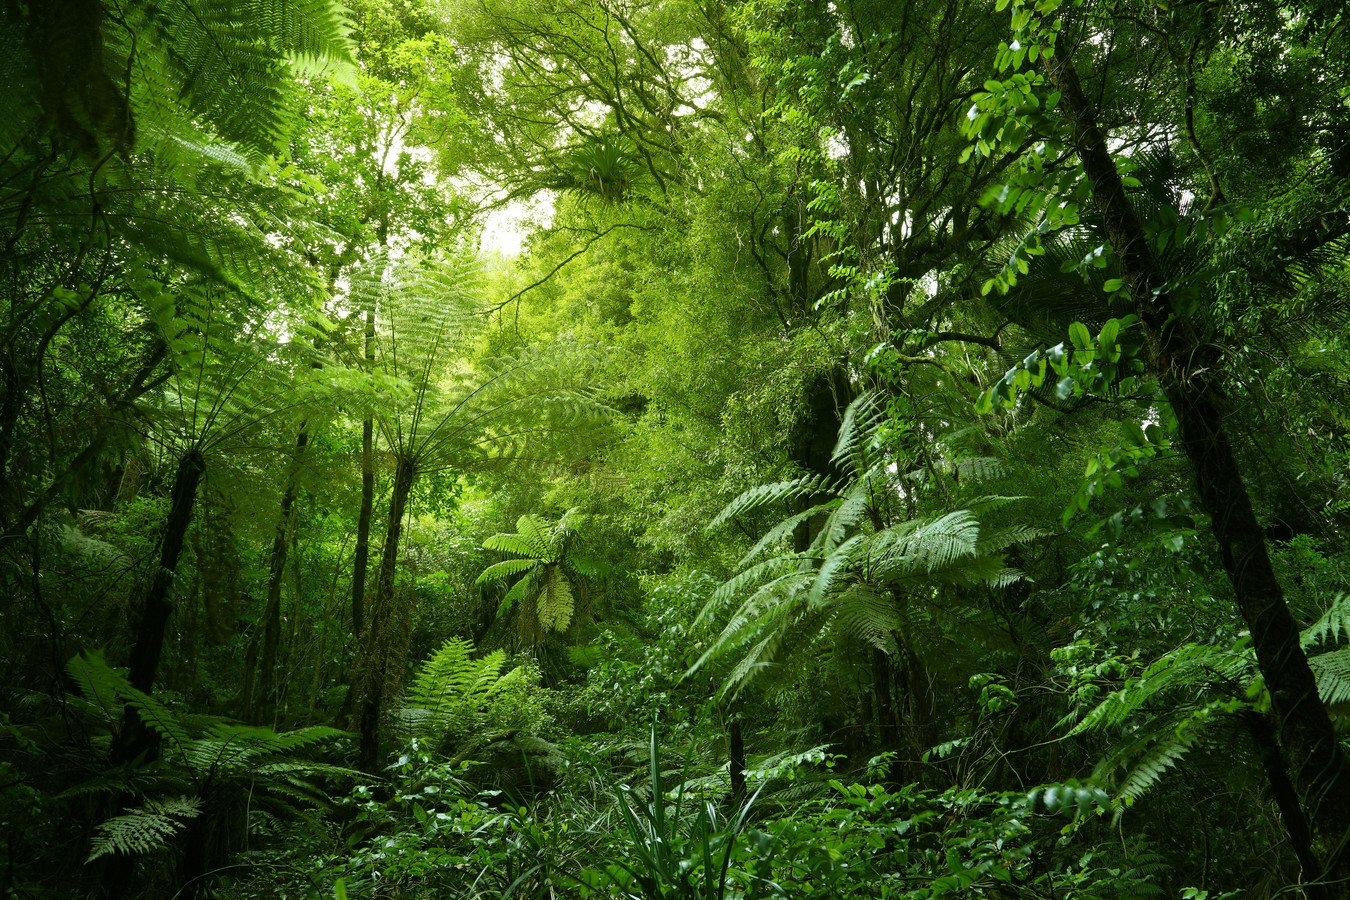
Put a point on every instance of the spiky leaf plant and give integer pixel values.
(603, 169)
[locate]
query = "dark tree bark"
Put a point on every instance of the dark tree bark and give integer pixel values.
(135, 737)
(362, 560)
(736, 759)
(1188, 373)
(888, 729)
(373, 669)
(261, 706)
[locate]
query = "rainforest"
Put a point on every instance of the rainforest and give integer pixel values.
(674, 449)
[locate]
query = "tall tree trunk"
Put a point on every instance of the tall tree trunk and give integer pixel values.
(888, 730)
(135, 737)
(262, 705)
(1187, 372)
(736, 759)
(362, 560)
(372, 672)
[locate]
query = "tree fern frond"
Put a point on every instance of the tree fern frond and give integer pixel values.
(785, 528)
(974, 469)
(860, 422)
(1185, 667)
(871, 616)
(451, 690)
(535, 532)
(1332, 671)
(1002, 538)
(519, 544)
(1145, 760)
(768, 570)
(1332, 626)
(764, 495)
(555, 600)
(92, 674)
(833, 569)
(145, 829)
(926, 547)
(506, 568)
(844, 518)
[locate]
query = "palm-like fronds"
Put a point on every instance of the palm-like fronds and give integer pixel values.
(1177, 700)
(856, 579)
(543, 594)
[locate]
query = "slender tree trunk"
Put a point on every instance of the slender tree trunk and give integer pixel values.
(135, 737)
(372, 673)
(362, 560)
(1187, 370)
(262, 705)
(887, 727)
(1285, 794)
(736, 759)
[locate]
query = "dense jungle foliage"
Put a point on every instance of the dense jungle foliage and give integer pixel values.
(904, 454)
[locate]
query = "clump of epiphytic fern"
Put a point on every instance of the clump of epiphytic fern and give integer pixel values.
(603, 168)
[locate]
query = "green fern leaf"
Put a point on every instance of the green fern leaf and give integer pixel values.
(1332, 626)
(145, 829)
(555, 600)
(506, 568)
(769, 494)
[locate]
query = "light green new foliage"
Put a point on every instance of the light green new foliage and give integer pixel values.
(454, 695)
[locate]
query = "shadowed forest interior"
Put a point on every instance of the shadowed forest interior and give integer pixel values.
(674, 449)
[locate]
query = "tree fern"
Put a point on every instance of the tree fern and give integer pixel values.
(858, 577)
(542, 596)
(110, 690)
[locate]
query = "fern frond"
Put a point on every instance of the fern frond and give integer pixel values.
(833, 569)
(768, 494)
(536, 533)
(1002, 538)
(922, 548)
(871, 616)
(1332, 626)
(861, 419)
(844, 518)
(1332, 671)
(1161, 750)
(974, 469)
(785, 528)
(555, 600)
(92, 674)
(1186, 667)
(506, 568)
(145, 829)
